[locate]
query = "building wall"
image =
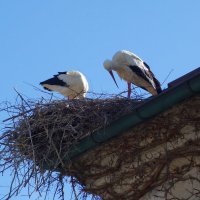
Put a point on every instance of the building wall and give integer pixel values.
(158, 159)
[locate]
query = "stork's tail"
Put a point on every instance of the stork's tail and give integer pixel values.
(157, 84)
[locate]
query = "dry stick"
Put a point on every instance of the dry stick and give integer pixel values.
(13, 190)
(61, 189)
(167, 76)
(73, 188)
(51, 94)
(57, 186)
(30, 135)
(21, 114)
(25, 112)
(54, 146)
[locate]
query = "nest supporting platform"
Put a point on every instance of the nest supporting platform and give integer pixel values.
(158, 159)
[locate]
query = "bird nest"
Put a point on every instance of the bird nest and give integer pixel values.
(39, 136)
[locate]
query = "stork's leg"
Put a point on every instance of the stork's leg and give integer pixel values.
(129, 90)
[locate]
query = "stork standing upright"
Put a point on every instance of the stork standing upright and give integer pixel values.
(133, 70)
(71, 84)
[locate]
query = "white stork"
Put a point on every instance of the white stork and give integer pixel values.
(71, 84)
(133, 70)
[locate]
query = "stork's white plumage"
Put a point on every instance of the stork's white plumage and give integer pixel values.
(71, 84)
(133, 70)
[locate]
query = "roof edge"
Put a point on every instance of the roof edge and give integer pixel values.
(142, 112)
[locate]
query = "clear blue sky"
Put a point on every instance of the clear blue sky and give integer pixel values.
(39, 38)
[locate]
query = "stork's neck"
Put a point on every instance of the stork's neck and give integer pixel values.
(116, 66)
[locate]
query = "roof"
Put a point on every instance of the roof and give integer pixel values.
(177, 91)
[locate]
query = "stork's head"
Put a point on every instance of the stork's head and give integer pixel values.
(109, 66)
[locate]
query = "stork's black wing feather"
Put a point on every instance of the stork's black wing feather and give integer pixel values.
(145, 64)
(47, 89)
(137, 70)
(157, 83)
(54, 81)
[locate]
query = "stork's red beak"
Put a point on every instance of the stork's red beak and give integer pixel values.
(111, 73)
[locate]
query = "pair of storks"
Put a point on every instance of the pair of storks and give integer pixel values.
(129, 67)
